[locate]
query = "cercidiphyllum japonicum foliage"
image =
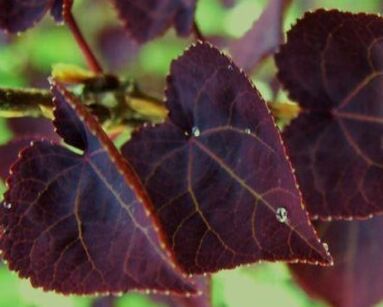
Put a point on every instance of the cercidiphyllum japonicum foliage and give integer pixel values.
(50, 215)
(332, 66)
(210, 157)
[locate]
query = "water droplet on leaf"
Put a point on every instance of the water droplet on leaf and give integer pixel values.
(7, 205)
(281, 215)
(247, 131)
(325, 245)
(195, 131)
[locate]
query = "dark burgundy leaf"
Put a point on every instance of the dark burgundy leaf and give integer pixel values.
(78, 223)
(116, 47)
(19, 15)
(9, 153)
(332, 65)
(356, 279)
(27, 126)
(147, 19)
(203, 300)
(263, 38)
(25, 130)
(57, 10)
(218, 174)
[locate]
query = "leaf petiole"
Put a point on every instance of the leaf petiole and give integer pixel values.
(73, 27)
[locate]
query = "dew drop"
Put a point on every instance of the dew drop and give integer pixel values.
(281, 215)
(7, 205)
(325, 245)
(186, 133)
(195, 131)
(230, 67)
(247, 131)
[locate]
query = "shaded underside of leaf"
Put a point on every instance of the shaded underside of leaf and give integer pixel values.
(332, 66)
(78, 223)
(217, 172)
(356, 279)
(19, 15)
(263, 38)
(147, 19)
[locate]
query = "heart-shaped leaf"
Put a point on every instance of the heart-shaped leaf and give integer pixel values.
(78, 222)
(332, 65)
(217, 172)
(356, 278)
(147, 19)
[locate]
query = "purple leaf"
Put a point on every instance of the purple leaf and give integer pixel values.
(57, 10)
(25, 130)
(79, 222)
(147, 19)
(9, 153)
(116, 47)
(203, 300)
(263, 38)
(19, 15)
(356, 278)
(332, 66)
(217, 172)
(27, 126)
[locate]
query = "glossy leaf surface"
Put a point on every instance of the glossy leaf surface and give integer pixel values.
(147, 19)
(356, 278)
(77, 222)
(217, 172)
(332, 65)
(19, 15)
(263, 38)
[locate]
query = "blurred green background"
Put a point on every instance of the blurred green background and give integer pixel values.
(26, 60)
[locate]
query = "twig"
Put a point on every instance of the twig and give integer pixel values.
(197, 32)
(24, 102)
(72, 24)
(129, 107)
